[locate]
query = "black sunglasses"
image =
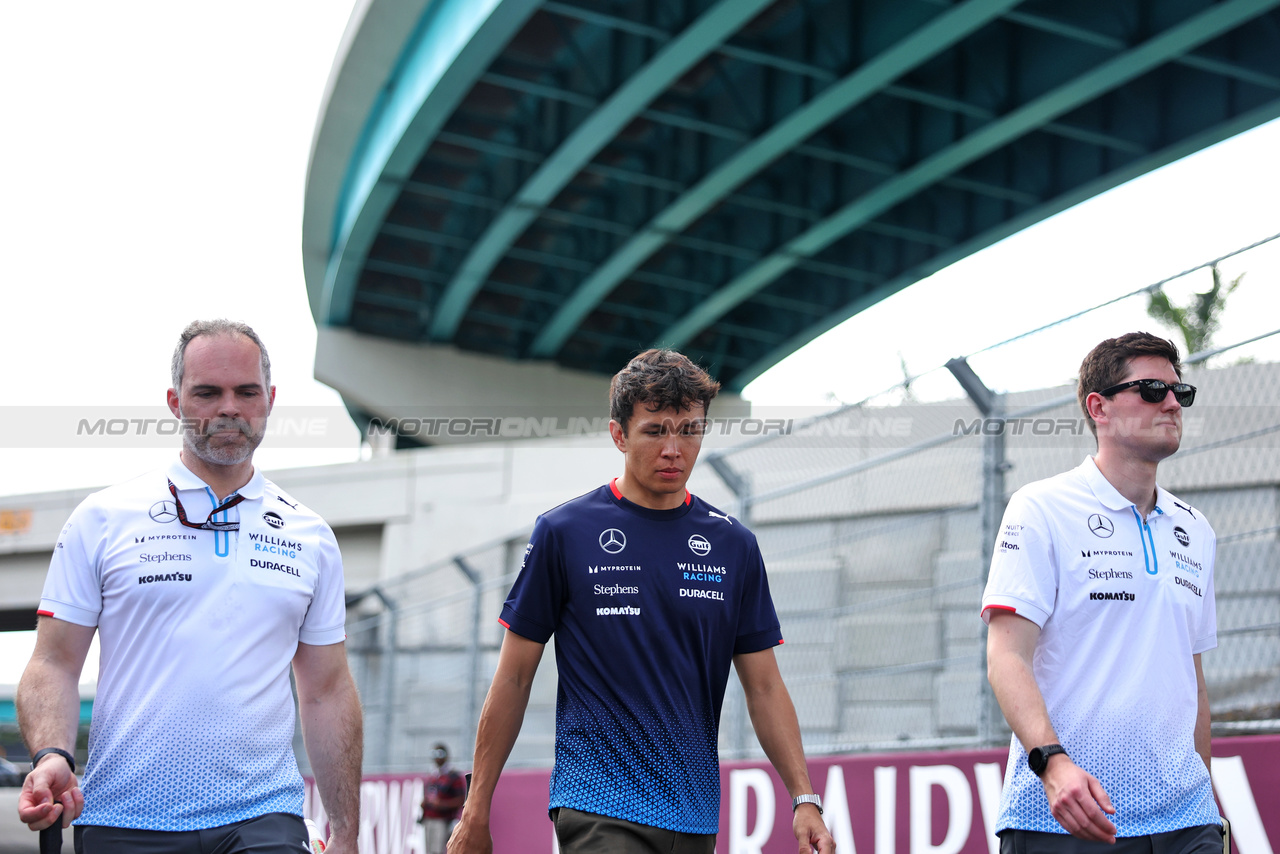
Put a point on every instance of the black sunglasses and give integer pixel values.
(1154, 391)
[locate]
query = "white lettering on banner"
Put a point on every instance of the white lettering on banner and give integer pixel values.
(989, 781)
(835, 802)
(921, 780)
(1236, 796)
(743, 781)
(388, 816)
(886, 778)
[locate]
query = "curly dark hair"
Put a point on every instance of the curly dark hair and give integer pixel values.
(1107, 364)
(659, 379)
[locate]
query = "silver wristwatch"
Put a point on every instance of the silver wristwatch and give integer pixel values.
(806, 799)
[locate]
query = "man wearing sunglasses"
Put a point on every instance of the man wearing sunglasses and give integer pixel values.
(206, 583)
(1100, 602)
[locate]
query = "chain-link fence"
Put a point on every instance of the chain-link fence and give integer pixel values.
(877, 522)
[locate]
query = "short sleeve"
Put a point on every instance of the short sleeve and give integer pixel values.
(325, 622)
(1024, 565)
(532, 609)
(758, 626)
(73, 587)
(1207, 631)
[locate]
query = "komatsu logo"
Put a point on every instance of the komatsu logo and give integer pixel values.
(623, 611)
(1108, 596)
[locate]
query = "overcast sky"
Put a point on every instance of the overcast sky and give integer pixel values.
(153, 168)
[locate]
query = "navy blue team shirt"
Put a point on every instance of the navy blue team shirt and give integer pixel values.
(648, 608)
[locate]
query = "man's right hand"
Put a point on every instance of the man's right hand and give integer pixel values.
(50, 792)
(470, 837)
(1078, 801)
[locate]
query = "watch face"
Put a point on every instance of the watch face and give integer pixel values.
(1038, 757)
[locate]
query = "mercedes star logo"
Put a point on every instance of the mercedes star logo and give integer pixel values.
(164, 511)
(1101, 526)
(613, 541)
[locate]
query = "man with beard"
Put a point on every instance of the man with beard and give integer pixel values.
(206, 582)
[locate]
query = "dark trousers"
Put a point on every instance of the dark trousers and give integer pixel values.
(1205, 839)
(273, 833)
(588, 833)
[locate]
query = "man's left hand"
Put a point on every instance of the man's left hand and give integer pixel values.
(334, 845)
(811, 832)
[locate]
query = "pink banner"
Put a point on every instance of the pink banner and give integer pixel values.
(899, 803)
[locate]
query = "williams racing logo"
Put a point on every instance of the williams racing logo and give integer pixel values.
(701, 572)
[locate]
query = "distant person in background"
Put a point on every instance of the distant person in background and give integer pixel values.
(444, 790)
(1100, 601)
(206, 584)
(652, 595)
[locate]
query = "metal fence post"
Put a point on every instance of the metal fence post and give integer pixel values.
(473, 654)
(740, 485)
(990, 509)
(388, 674)
(994, 465)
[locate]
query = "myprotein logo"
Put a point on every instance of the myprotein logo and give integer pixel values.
(1104, 553)
(699, 545)
(163, 511)
(153, 537)
(592, 569)
(612, 540)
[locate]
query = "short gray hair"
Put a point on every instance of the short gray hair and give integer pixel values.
(221, 326)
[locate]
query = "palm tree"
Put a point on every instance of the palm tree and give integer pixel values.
(1199, 321)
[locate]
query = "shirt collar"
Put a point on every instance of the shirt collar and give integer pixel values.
(1102, 488)
(183, 478)
(1110, 496)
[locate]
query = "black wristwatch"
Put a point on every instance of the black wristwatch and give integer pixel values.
(43, 752)
(1038, 758)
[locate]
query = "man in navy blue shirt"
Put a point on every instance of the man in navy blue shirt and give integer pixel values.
(651, 593)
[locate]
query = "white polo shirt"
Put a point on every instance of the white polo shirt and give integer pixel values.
(193, 718)
(1123, 603)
